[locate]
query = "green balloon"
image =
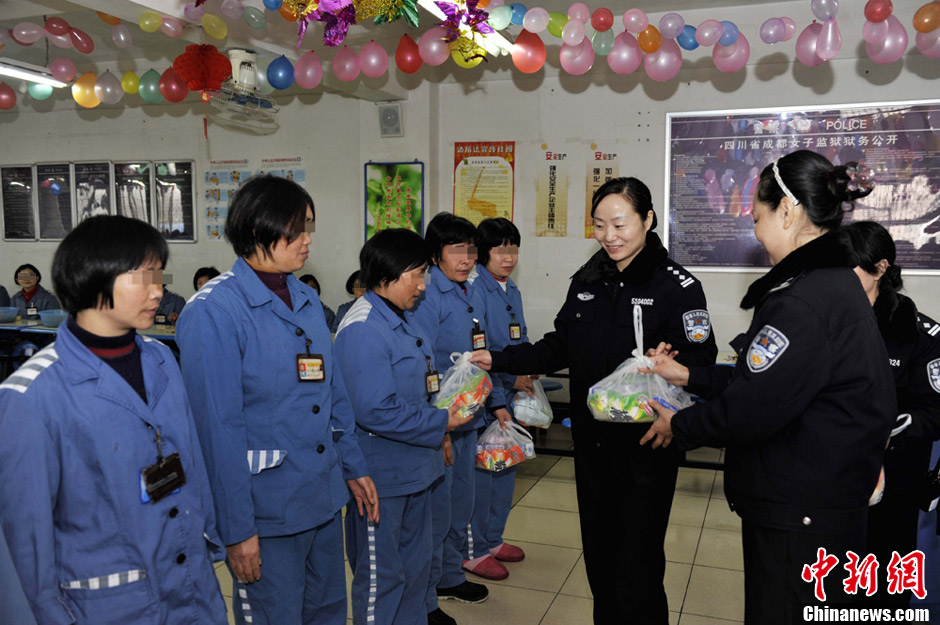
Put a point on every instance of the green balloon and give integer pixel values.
(149, 88)
(254, 18)
(556, 22)
(38, 91)
(603, 42)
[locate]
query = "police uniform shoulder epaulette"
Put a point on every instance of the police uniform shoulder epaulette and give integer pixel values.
(679, 274)
(22, 378)
(928, 325)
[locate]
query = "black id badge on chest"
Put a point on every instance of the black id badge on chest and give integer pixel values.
(515, 331)
(161, 478)
(477, 336)
(310, 368)
(432, 379)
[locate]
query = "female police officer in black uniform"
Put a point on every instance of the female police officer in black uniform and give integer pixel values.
(624, 490)
(810, 403)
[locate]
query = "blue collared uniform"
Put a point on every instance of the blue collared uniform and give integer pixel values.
(170, 303)
(277, 450)
(41, 300)
(74, 436)
(384, 362)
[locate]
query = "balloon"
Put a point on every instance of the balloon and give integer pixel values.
(63, 69)
(825, 9)
(281, 72)
(57, 26)
(603, 42)
(108, 88)
(482, 4)
(149, 86)
(192, 12)
(171, 27)
(7, 97)
(121, 36)
(635, 21)
(528, 55)
(214, 26)
(373, 60)
(500, 18)
(432, 47)
(273, 5)
(83, 91)
(556, 22)
(476, 57)
(892, 47)
(55, 188)
(732, 58)
(773, 30)
(650, 40)
(232, 9)
(172, 87)
(308, 71)
(27, 33)
(345, 65)
(878, 10)
(729, 33)
(829, 43)
(806, 45)
(602, 19)
(874, 32)
(39, 91)
(671, 25)
(926, 19)
(149, 22)
(686, 38)
(255, 18)
(261, 78)
(130, 83)
(82, 41)
(626, 55)
(665, 63)
(407, 55)
(709, 32)
(929, 43)
(579, 11)
(518, 13)
(573, 33)
(108, 19)
(60, 41)
(288, 13)
(535, 20)
(577, 60)
(790, 28)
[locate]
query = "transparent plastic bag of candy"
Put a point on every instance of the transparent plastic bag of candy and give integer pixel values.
(624, 395)
(465, 385)
(499, 449)
(532, 411)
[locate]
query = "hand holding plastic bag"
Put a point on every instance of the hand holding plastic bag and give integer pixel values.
(465, 385)
(499, 449)
(533, 411)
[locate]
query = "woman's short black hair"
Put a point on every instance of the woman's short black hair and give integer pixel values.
(447, 229)
(204, 272)
(494, 232)
(389, 254)
(351, 282)
(27, 266)
(632, 190)
(264, 210)
(309, 277)
(96, 252)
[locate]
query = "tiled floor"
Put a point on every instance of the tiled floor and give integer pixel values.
(704, 568)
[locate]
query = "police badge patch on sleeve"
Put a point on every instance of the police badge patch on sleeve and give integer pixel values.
(697, 325)
(933, 374)
(766, 348)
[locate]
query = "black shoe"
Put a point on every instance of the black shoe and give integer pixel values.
(439, 617)
(468, 592)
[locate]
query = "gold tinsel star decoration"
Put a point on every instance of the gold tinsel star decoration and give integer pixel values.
(387, 10)
(302, 7)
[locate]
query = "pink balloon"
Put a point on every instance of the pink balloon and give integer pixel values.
(875, 32)
(57, 26)
(373, 60)
(27, 33)
(666, 62)
(671, 25)
(192, 12)
(772, 30)
(60, 41)
(577, 60)
(893, 46)
(577, 11)
(572, 33)
(929, 43)
(7, 97)
(806, 45)
(172, 87)
(635, 21)
(346, 64)
(63, 69)
(232, 9)
(308, 72)
(121, 36)
(535, 20)
(171, 27)
(708, 32)
(830, 40)
(626, 55)
(730, 59)
(82, 41)
(432, 47)
(790, 28)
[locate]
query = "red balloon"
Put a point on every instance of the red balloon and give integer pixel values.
(57, 26)
(878, 10)
(7, 97)
(172, 87)
(82, 41)
(528, 55)
(602, 19)
(407, 57)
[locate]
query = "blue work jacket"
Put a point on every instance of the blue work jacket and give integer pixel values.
(74, 437)
(42, 300)
(384, 361)
(267, 437)
(170, 303)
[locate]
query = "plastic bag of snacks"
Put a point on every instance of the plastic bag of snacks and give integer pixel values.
(465, 385)
(532, 411)
(499, 449)
(624, 395)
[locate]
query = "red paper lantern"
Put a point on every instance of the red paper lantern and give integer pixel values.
(202, 67)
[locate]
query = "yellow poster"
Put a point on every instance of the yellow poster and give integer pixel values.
(551, 207)
(483, 179)
(602, 165)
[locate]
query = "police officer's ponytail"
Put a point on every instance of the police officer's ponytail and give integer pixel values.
(633, 190)
(870, 243)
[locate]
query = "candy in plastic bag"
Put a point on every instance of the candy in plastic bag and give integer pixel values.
(465, 385)
(499, 449)
(532, 411)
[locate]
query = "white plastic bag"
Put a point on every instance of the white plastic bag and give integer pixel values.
(624, 395)
(465, 385)
(532, 411)
(499, 449)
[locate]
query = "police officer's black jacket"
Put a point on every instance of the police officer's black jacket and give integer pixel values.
(594, 328)
(810, 403)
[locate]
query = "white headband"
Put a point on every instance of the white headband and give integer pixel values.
(783, 187)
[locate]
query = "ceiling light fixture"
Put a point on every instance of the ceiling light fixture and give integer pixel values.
(494, 43)
(26, 71)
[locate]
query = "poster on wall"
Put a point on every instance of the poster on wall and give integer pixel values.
(222, 179)
(290, 167)
(603, 164)
(484, 173)
(132, 186)
(551, 201)
(16, 195)
(92, 189)
(394, 195)
(173, 200)
(714, 161)
(54, 190)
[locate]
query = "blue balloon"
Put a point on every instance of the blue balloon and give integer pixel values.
(281, 73)
(686, 38)
(273, 5)
(729, 33)
(518, 13)
(55, 188)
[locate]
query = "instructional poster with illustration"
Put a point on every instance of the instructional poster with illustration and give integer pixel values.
(132, 183)
(394, 195)
(484, 173)
(92, 189)
(174, 196)
(222, 179)
(16, 195)
(54, 190)
(715, 160)
(603, 164)
(551, 200)
(290, 167)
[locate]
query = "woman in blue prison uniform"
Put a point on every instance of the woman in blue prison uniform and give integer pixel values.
(77, 429)
(32, 297)
(385, 362)
(273, 418)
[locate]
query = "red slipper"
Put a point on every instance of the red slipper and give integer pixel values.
(508, 553)
(486, 567)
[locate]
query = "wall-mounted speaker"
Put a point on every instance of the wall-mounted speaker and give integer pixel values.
(390, 120)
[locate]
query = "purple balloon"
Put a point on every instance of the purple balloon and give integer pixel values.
(730, 59)
(192, 12)
(875, 32)
(577, 60)
(709, 32)
(373, 60)
(671, 25)
(929, 43)
(829, 43)
(665, 63)
(232, 9)
(892, 47)
(806, 45)
(432, 47)
(825, 9)
(626, 55)
(773, 30)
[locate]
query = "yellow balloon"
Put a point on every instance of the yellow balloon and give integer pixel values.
(150, 22)
(83, 91)
(130, 82)
(214, 26)
(466, 54)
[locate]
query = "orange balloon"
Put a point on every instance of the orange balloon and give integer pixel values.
(650, 39)
(288, 13)
(482, 4)
(83, 91)
(108, 19)
(927, 17)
